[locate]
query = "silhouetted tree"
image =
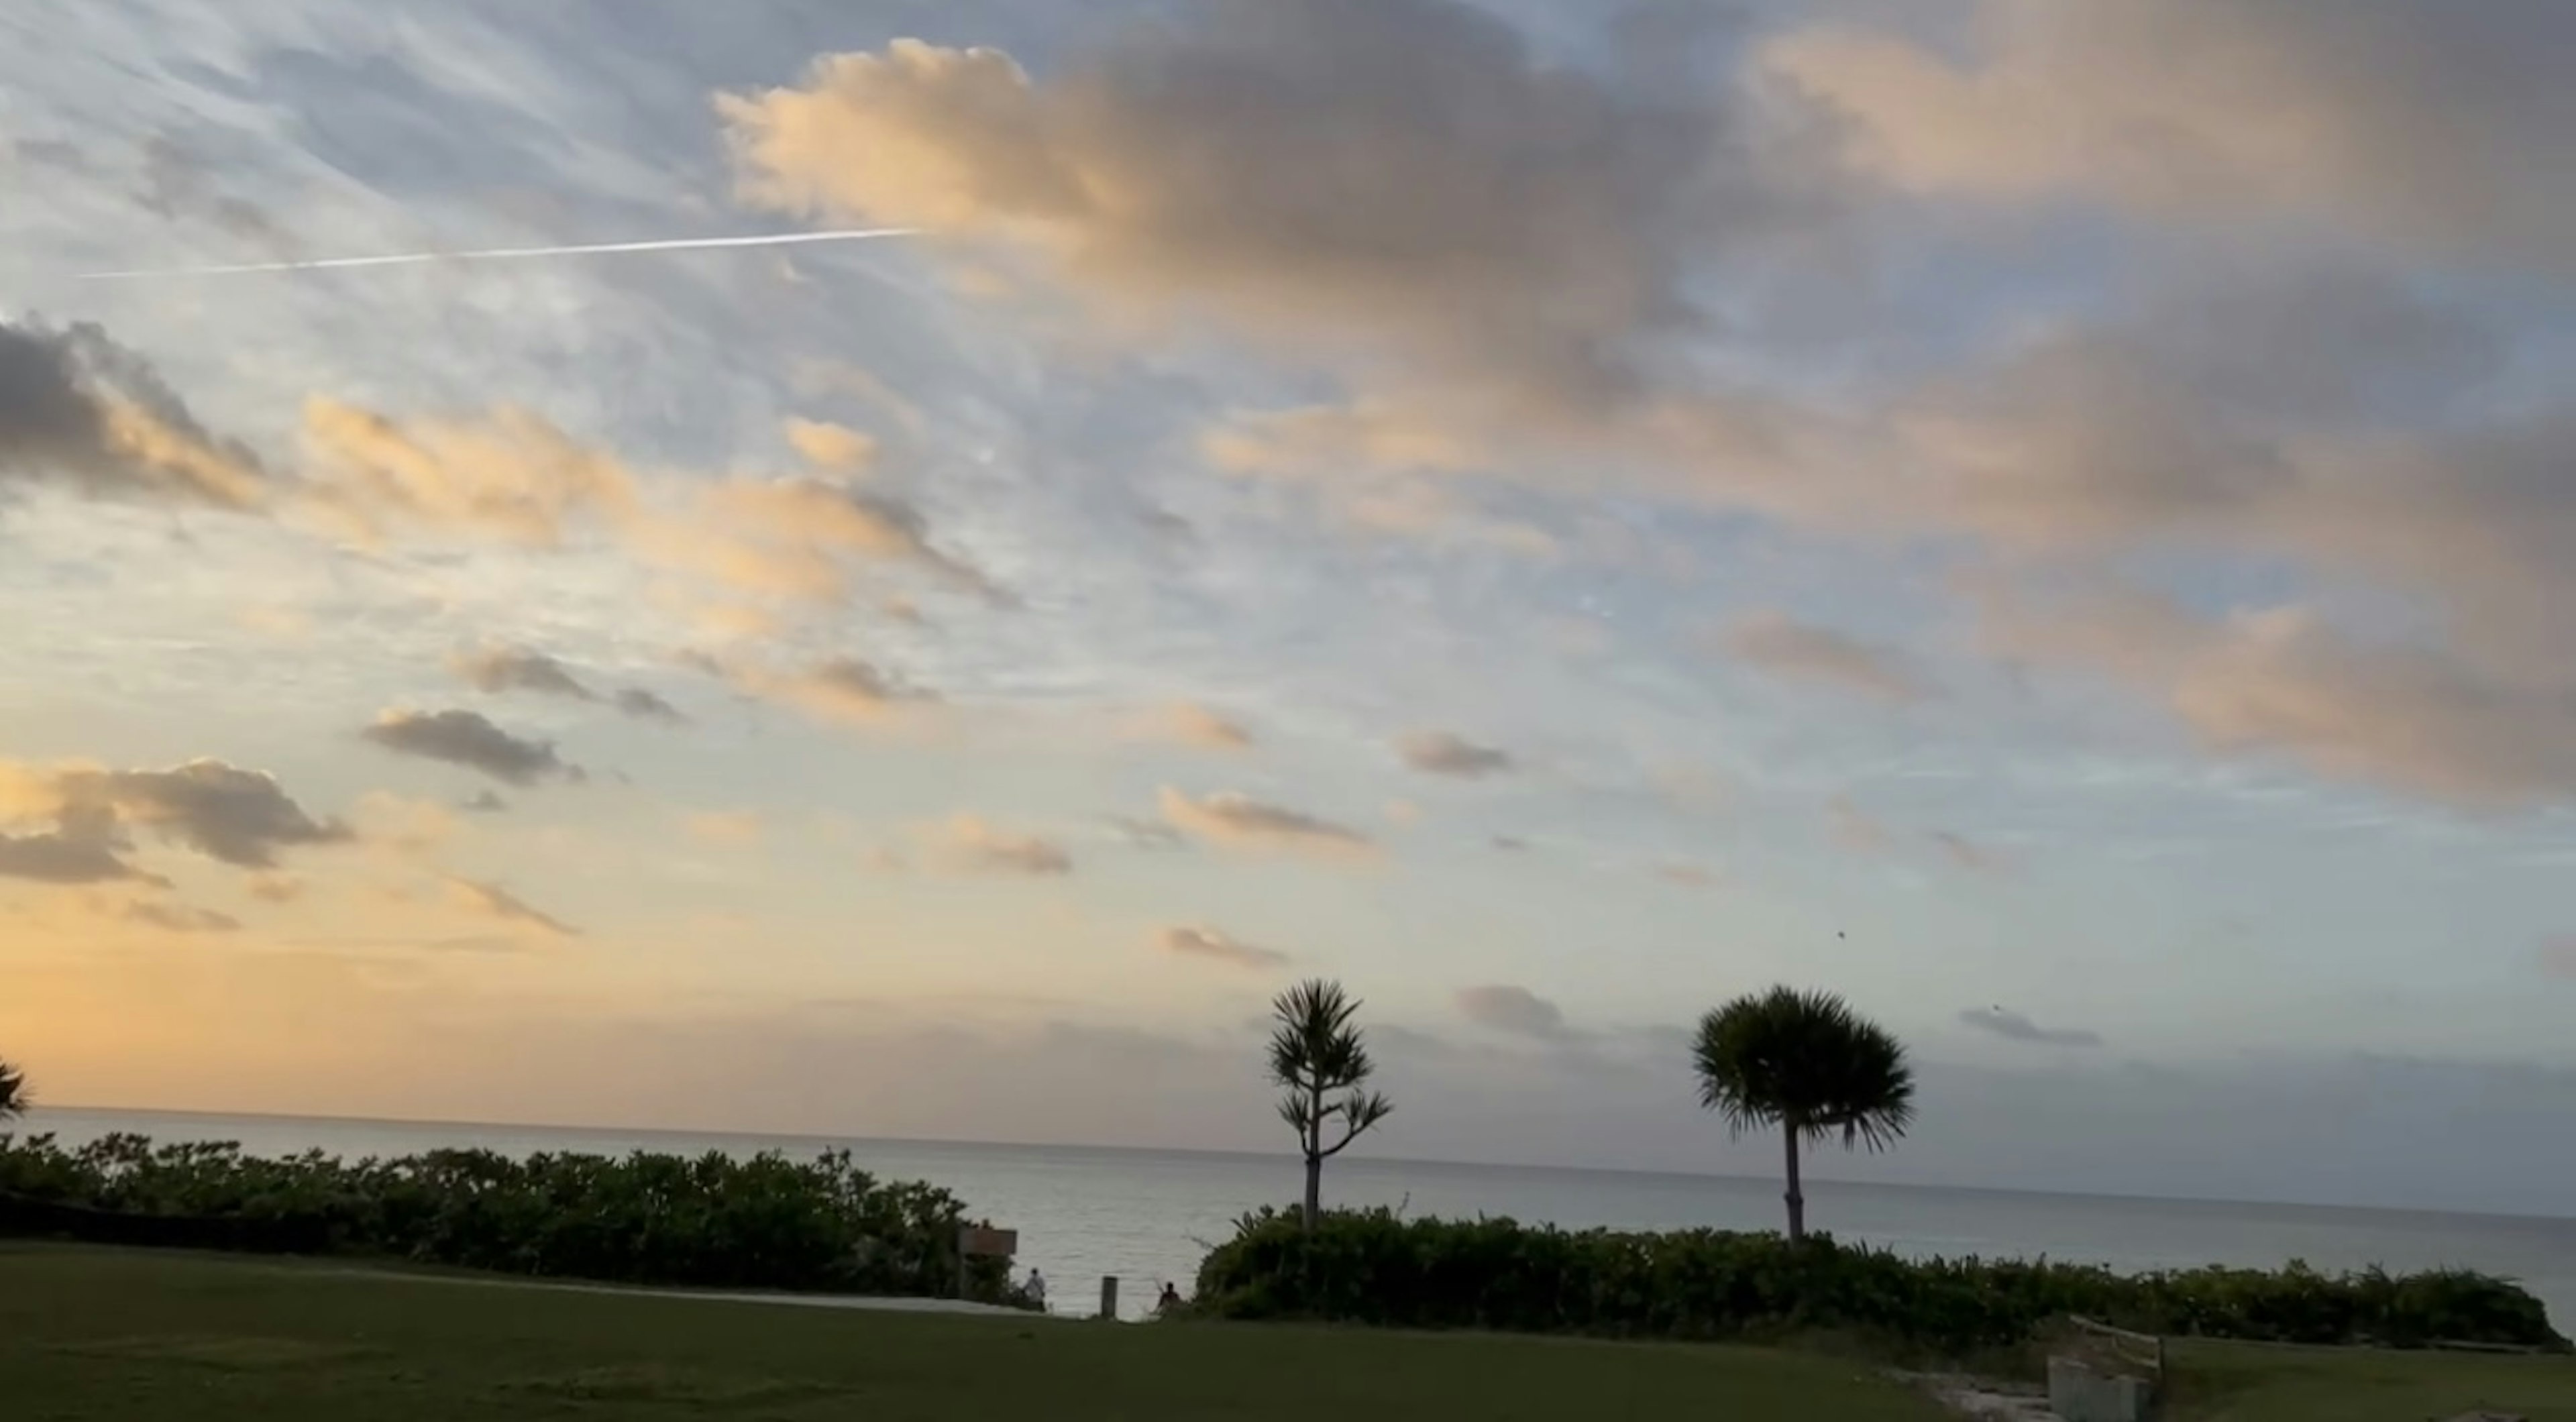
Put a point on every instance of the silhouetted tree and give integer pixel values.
(1318, 1057)
(1807, 1063)
(13, 1091)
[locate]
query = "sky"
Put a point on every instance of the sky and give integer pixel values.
(2052, 522)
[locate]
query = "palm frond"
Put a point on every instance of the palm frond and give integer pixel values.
(1805, 1060)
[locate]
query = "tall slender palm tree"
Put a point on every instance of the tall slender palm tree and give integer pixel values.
(1807, 1063)
(1317, 1056)
(13, 1091)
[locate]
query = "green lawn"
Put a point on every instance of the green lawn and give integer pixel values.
(101, 1334)
(2242, 1383)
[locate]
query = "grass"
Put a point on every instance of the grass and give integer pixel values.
(98, 1334)
(2224, 1382)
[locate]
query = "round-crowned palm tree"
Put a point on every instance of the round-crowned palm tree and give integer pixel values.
(13, 1091)
(1807, 1063)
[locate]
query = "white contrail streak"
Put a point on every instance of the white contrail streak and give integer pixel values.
(506, 254)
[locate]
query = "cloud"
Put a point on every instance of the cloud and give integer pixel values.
(276, 888)
(1216, 947)
(1509, 844)
(644, 705)
(1856, 829)
(512, 476)
(242, 818)
(1203, 727)
(1686, 876)
(833, 448)
(1515, 1010)
(1441, 753)
(63, 859)
(79, 411)
(493, 901)
(1230, 818)
(796, 537)
(180, 918)
(1141, 833)
(729, 827)
(2434, 129)
(2014, 1027)
(2412, 718)
(2557, 957)
(468, 739)
(508, 474)
(972, 845)
(1394, 177)
(484, 802)
(1785, 647)
(1968, 854)
(845, 690)
(493, 670)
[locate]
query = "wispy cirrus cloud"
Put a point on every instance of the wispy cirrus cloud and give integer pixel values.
(2012, 1026)
(1784, 647)
(495, 902)
(1444, 753)
(1211, 945)
(1235, 819)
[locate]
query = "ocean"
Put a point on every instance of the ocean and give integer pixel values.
(1147, 1216)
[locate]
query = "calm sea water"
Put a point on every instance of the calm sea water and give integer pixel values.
(1147, 1216)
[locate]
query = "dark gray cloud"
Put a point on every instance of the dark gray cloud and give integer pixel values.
(1441, 753)
(496, 670)
(493, 670)
(89, 819)
(241, 817)
(63, 859)
(2433, 128)
(644, 705)
(1516, 1010)
(2014, 1027)
(79, 411)
(469, 739)
(1403, 175)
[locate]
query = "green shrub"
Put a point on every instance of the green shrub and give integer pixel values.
(715, 1221)
(1370, 1267)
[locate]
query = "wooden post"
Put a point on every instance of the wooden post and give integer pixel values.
(1109, 1297)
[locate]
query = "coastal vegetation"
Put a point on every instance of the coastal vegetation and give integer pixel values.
(1371, 1267)
(710, 1221)
(1322, 1066)
(13, 1092)
(1807, 1064)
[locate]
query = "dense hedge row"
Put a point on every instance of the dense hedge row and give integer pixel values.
(1373, 1268)
(714, 1221)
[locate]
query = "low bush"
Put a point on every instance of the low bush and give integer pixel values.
(715, 1221)
(1372, 1268)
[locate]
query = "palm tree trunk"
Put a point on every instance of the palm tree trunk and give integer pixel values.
(1314, 1190)
(1796, 1197)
